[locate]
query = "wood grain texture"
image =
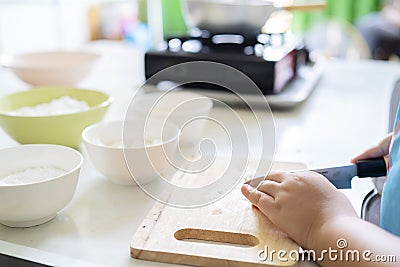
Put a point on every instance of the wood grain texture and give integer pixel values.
(229, 232)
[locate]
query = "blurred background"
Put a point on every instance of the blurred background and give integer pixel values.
(342, 29)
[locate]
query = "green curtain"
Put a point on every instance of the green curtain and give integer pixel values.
(349, 10)
(173, 22)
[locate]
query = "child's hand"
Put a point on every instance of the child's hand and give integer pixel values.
(381, 149)
(299, 203)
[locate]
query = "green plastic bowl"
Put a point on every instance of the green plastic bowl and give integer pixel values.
(65, 129)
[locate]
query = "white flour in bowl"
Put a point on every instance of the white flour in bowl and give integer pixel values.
(32, 175)
(118, 143)
(58, 106)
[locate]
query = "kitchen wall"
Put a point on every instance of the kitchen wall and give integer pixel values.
(32, 25)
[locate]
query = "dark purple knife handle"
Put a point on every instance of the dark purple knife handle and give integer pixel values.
(375, 167)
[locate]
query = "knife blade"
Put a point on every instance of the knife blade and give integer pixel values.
(341, 176)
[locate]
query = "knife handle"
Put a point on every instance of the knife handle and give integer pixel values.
(374, 167)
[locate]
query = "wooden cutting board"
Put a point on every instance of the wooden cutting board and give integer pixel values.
(229, 232)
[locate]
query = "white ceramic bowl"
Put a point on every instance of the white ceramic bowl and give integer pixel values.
(29, 203)
(141, 161)
(51, 68)
(187, 110)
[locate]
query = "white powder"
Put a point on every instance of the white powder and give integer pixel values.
(152, 141)
(119, 144)
(62, 105)
(31, 175)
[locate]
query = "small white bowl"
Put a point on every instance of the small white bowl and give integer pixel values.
(130, 160)
(30, 203)
(187, 110)
(51, 68)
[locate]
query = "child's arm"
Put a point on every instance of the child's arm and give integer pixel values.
(316, 215)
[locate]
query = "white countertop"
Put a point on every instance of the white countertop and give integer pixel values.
(347, 112)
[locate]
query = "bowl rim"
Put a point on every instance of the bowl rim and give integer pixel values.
(77, 167)
(147, 97)
(104, 123)
(6, 60)
(103, 104)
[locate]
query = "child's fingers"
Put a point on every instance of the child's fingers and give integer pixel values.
(276, 177)
(256, 197)
(382, 149)
(373, 152)
(269, 187)
(272, 176)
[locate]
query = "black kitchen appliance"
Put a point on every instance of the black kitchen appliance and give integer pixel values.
(269, 60)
